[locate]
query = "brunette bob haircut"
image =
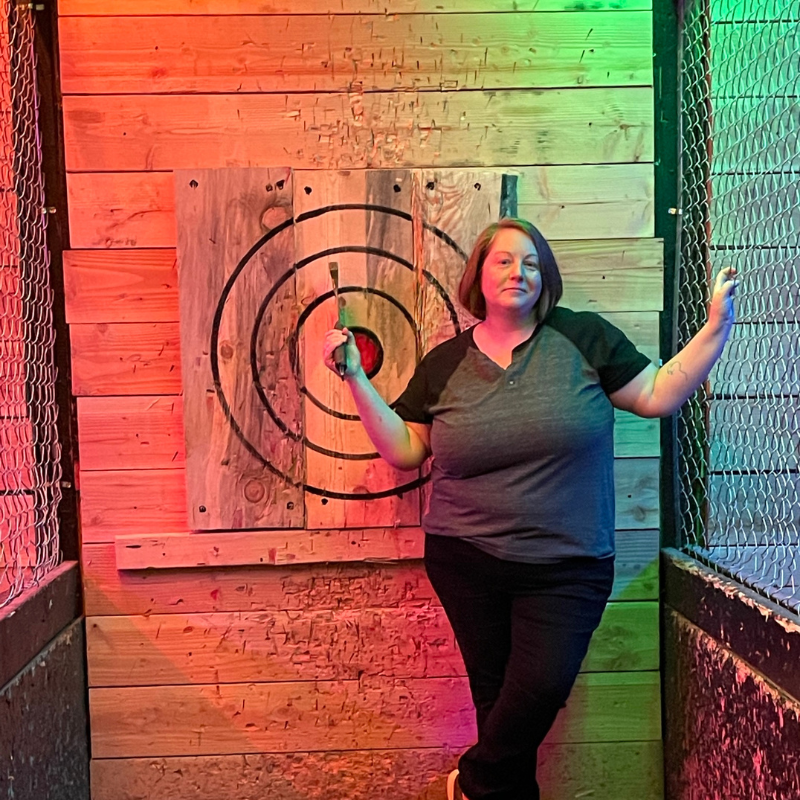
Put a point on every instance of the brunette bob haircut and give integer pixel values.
(469, 291)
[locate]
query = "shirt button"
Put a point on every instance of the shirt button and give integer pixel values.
(511, 382)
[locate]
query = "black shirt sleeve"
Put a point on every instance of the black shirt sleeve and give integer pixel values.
(413, 403)
(603, 345)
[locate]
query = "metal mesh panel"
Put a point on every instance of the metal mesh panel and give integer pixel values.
(739, 443)
(29, 449)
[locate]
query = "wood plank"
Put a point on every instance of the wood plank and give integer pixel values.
(146, 432)
(131, 432)
(378, 297)
(337, 131)
(240, 548)
(267, 7)
(345, 585)
(335, 715)
(636, 567)
(153, 501)
(243, 425)
(617, 203)
(141, 285)
(298, 588)
(144, 358)
(641, 328)
(335, 52)
(589, 201)
(619, 770)
(128, 358)
(637, 499)
(121, 285)
(622, 770)
(135, 209)
(132, 501)
(323, 645)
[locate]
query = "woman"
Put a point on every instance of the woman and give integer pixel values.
(518, 413)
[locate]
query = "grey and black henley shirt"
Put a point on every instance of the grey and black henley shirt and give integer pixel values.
(523, 457)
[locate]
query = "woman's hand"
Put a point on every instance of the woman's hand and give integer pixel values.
(721, 314)
(333, 339)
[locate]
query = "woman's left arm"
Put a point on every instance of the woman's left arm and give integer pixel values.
(660, 392)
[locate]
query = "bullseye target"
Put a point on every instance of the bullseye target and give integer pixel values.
(274, 438)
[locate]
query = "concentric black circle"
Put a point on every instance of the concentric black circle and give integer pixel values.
(282, 426)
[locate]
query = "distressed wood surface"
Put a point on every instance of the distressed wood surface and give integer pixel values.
(130, 501)
(153, 501)
(135, 209)
(140, 285)
(377, 295)
(337, 52)
(144, 358)
(214, 719)
(617, 201)
(461, 203)
(338, 131)
(131, 432)
(108, 591)
(121, 285)
(619, 770)
(245, 461)
(587, 201)
(323, 645)
(239, 548)
(126, 358)
(146, 432)
(236, 7)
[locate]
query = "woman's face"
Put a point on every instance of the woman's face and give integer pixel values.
(510, 279)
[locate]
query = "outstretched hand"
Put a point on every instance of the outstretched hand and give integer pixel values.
(721, 312)
(335, 337)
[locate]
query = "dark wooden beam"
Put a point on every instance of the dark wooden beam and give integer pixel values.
(36, 617)
(762, 633)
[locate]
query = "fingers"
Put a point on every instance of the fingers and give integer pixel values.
(333, 339)
(726, 282)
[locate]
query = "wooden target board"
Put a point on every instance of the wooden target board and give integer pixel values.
(273, 438)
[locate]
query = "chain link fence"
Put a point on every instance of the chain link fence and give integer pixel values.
(29, 449)
(738, 439)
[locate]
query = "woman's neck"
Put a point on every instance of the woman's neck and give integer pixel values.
(502, 329)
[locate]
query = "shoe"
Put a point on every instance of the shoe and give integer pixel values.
(453, 789)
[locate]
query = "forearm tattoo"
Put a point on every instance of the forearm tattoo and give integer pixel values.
(675, 366)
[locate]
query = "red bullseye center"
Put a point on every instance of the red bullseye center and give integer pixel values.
(370, 349)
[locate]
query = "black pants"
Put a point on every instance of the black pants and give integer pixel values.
(523, 630)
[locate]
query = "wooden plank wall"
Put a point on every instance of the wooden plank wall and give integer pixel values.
(333, 680)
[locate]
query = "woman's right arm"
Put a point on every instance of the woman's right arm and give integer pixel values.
(405, 445)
